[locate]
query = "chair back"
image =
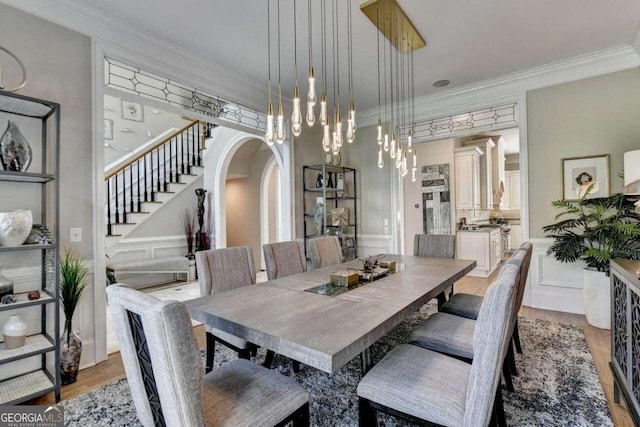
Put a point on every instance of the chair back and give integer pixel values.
(160, 356)
(490, 339)
(435, 245)
(527, 247)
(225, 269)
(325, 251)
(284, 259)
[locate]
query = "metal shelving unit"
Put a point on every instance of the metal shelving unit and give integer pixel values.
(332, 198)
(43, 345)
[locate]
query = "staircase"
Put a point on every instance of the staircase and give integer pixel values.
(138, 187)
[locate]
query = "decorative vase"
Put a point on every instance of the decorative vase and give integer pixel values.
(15, 151)
(330, 182)
(15, 227)
(192, 269)
(14, 331)
(70, 352)
(6, 285)
(596, 291)
(319, 181)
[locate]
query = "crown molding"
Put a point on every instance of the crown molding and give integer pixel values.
(156, 54)
(505, 87)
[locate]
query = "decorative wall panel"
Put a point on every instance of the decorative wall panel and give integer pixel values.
(436, 199)
(620, 324)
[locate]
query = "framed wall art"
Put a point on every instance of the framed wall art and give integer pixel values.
(108, 129)
(581, 173)
(132, 111)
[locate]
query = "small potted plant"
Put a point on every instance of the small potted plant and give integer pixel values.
(73, 281)
(188, 220)
(595, 231)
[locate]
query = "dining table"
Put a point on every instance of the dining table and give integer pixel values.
(305, 318)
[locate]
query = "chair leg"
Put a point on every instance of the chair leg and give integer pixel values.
(254, 351)
(268, 360)
(295, 365)
(451, 291)
(501, 419)
(506, 372)
(303, 419)
(245, 354)
(211, 351)
(516, 338)
(512, 360)
(367, 416)
(442, 298)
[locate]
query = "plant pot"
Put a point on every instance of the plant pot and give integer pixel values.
(596, 291)
(70, 352)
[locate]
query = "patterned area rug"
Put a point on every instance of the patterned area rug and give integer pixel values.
(557, 386)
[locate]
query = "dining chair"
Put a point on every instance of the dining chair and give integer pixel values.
(284, 259)
(468, 305)
(164, 371)
(436, 246)
(325, 251)
(222, 270)
(453, 335)
(422, 385)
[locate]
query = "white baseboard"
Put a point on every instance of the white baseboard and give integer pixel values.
(553, 285)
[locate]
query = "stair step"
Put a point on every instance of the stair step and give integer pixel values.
(113, 235)
(124, 223)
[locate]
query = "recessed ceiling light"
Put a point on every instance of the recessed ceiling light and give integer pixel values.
(441, 83)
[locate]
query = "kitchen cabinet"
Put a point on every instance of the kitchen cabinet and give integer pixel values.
(511, 196)
(486, 170)
(467, 177)
(498, 171)
(516, 236)
(484, 246)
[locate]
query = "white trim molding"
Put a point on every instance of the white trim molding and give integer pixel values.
(553, 285)
(373, 244)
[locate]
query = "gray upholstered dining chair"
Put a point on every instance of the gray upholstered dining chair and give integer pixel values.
(325, 251)
(453, 335)
(164, 371)
(419, 384)
(284, 259)
(468, 305)
(436, 246)
(222, 270)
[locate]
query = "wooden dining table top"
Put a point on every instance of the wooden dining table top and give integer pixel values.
(322, 331)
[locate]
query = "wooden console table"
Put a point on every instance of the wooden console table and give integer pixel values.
(625, 334)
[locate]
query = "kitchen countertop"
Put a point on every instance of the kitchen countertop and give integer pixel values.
(483, 229)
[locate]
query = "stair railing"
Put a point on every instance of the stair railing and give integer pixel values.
(151, 171)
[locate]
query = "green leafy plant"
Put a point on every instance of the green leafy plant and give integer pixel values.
(73, 281)
(595, 230)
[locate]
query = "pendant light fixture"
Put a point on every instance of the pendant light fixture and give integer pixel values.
(296, 115)
(311, 93)
(324, 116)
(269, 135)
(351, 118)
(280, 136)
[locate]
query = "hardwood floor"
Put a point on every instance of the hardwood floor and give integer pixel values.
(598, 340)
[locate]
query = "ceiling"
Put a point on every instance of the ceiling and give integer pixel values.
(467, 41)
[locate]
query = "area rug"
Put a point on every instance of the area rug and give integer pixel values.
(557, 386)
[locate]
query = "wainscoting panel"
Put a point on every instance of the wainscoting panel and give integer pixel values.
(553, 285)
(372, 244)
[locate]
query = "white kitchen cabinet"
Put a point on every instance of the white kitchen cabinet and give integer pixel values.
(467, 177)
(511, 196)
(516, 236)
(497, 161)
(483, 246)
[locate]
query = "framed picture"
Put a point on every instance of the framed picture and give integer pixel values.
(132, 111)
(349, 242)
(108, 129)
(580, 173)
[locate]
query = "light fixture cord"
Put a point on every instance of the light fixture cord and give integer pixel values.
(350, 51)
(279, 81)
(269, 45)
(413, 88)
(333, 62)
(337, 53)
(310, 22)
(391, 81)
(323, 31)
(295, 43)
(384, 58)
(378, 42)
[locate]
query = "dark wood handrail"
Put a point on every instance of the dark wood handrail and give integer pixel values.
(151, 148)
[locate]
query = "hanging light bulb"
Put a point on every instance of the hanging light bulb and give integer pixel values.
(386, 142)
(380, 158)
(311, 99)
(352, 117)
(269, 135)
(335, 148)
(403, 168)
(398, 157)
(415, 159)
(410, 141)
(280, 131)
(323, 109)
(379, 134)
(339, 129)
(414, 174)
(296, 115)
(350, 131)
(326, 138)
(392, 150)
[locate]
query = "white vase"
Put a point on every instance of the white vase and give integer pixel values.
(14, 331)
(15, 227)
(596, 291)
(192, 269)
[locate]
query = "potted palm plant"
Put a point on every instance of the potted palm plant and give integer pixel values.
(73, 281)
(595, 231)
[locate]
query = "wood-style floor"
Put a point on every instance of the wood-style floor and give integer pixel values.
(598, 340)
